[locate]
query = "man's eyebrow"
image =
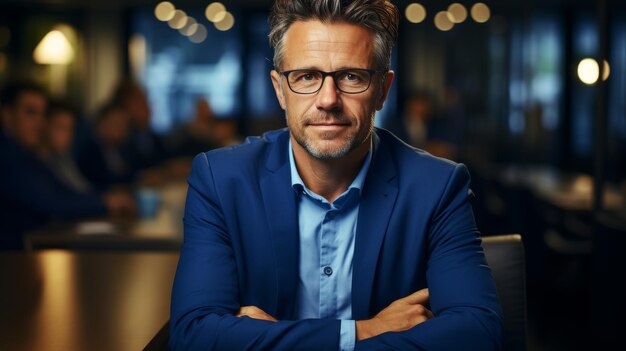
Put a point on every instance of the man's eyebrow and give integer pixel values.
(314, 68)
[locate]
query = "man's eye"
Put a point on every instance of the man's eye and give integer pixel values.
(353, 77)
(308, 76)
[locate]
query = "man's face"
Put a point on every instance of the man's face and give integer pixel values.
(25, 120)
(329, 124)
(61, 131)
(113, 130)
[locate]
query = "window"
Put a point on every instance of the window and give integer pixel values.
(176, 72)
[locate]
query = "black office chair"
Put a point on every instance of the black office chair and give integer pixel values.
(505, 256)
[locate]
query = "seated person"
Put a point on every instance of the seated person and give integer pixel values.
(331, 234)
(225, 132)
(105, 157)
(150, 161)
(195, 135)
(145, 147)
(57, 148)
(424, 128)
(30, 194)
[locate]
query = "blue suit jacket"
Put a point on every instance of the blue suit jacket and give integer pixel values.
(415, 229)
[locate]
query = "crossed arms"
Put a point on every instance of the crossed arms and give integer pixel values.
(401, 315)
(214, 308)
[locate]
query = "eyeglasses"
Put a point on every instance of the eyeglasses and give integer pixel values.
(310, 81)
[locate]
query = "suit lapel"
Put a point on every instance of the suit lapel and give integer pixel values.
(279, 200)
(377, 200)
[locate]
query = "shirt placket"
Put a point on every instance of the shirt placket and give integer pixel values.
(328, 253)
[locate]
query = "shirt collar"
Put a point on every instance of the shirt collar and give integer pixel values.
(357, 183)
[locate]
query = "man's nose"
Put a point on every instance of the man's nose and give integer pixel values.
(328, 96)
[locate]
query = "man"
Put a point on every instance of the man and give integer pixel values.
(30, 193)
(146, 147)
(331, 234)
(58, 143)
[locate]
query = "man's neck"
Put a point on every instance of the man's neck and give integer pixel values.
(329, 178)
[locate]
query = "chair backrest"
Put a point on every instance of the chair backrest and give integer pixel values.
(505, 256)
(160, 341)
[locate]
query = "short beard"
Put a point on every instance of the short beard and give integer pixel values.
(351, 143)
(348, 146)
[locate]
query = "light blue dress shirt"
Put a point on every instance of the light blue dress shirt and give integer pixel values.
(327, 233)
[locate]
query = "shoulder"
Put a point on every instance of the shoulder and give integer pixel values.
(255, 153)
(411, 159)
(419, 174)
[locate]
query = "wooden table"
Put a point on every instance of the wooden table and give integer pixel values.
(59, 300)
(103, 234)
(163, 232)
(567, 191)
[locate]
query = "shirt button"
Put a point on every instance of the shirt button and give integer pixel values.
(331, 215)
(328, 271)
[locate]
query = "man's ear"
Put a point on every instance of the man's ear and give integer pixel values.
(276, 82)
(387, 80)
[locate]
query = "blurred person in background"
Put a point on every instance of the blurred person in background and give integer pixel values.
(57, 147)
(105, 159)
(30, 193)
(424, 128)
(196, 135)
(152, 163)
(145, 146)
(225, 132)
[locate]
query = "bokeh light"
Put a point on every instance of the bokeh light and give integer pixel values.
(442, 21)
(200, 34)
(588, 71)
(226, 23)
(164, 11)
(179, 20)
(415, 13)
(480, 12)
(215, 12)
(457, 13)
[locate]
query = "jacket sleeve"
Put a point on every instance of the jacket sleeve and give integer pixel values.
(205, 293)
(463, 295)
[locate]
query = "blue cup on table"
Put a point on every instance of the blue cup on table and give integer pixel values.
(149, 201)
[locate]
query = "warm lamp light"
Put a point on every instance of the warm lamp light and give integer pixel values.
(442, 21)
(415, 13)
(215, 12)
(54, 49)
(226, 23)
(588, 71)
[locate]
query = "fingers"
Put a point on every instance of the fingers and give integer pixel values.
(256, 313)
(422, 312)
(401, 315)
(418, 297)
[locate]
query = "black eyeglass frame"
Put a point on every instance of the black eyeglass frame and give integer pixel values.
(332, 74)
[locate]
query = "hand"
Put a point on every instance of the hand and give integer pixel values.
(119, 203)
(400, 315)
(152, 177)
(256, 313)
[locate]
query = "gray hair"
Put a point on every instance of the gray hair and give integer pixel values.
(379, 16)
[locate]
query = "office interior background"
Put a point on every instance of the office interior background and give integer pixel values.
(529, 94)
